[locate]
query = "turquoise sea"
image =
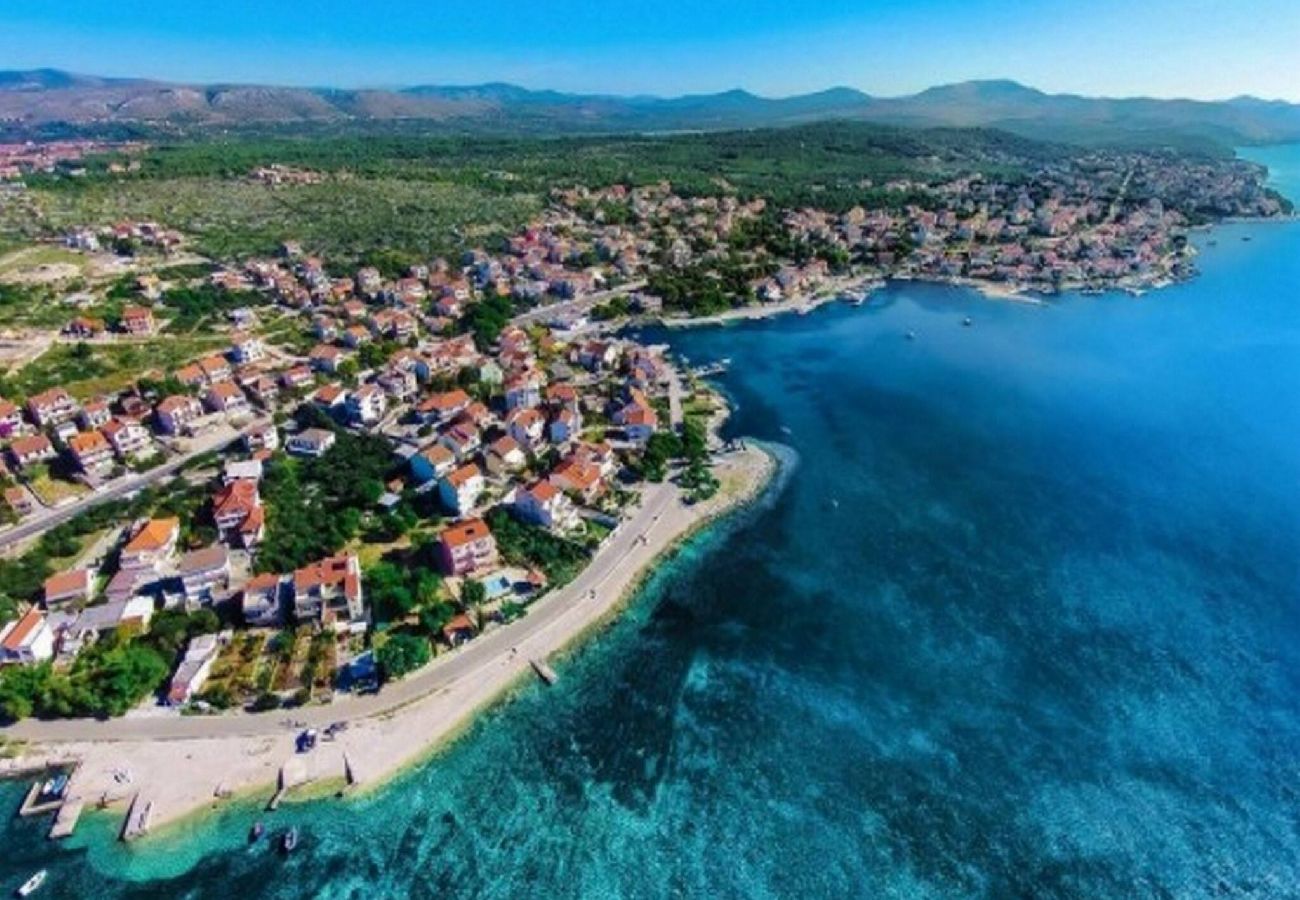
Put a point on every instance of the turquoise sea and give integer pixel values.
(1021, 619)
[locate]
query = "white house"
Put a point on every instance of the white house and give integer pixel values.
(28, 639)
(460, 489)
(546, 505)
(311, 442)
(367, 404)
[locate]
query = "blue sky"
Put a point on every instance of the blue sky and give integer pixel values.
(1189, 48)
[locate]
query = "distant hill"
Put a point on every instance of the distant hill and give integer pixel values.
(41, 99)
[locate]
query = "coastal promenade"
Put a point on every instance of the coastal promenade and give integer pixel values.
(185, 764)
(624, 549)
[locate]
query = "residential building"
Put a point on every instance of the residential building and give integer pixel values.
(246, 348)
(137, 320)
(26, 640)
(215, 369)
(527, 426)
(193, 670)
(51, 407)
(261, 602)
(546, 505)
(226, 397)
(93, 414)
(367, 404)
(433, 462)
(233, 504)
(329, 592)
(175, 412)
(19, 500)
(242, 469)
(578, 476)
(311, 442)
(460, 489)
(443, 406)
(565, 426)
(504, 456)
(466, 547)
(204, 572)
(326, 358)
(11, 418)
(68, 587)
(91, 450)
(27, 451)
(128, 437)
(261, 437)
(151, 544)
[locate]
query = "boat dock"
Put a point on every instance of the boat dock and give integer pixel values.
(137, 818)
(544, 671)
(34, 805)
(716, 368)
(65, 822)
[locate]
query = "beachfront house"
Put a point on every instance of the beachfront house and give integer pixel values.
(194, 668)
(329, 592)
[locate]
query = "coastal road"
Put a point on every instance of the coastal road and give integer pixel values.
(46, 519)
(581, 305)
(559, 614)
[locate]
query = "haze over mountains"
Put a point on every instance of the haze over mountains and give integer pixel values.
(37, 100)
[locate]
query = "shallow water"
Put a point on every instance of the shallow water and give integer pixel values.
(1021, 620)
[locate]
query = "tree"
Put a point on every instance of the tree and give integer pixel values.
(402, 653)
(389, 592)
(473, 594)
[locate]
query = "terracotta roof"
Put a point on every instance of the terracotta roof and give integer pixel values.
(73, 581)
(87, 442)
(154, 535)
(260, 584)
(463, 475)
(36, 443)
(445, 401)
(543, 491)
(23, 629)
(332, 571)
(438, 453)
(465, 533)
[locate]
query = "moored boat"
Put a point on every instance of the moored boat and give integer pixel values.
(31, 885)
(255, 833)
(290, 840)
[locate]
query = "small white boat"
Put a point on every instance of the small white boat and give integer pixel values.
(33, 884)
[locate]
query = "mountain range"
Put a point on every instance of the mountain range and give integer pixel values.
(38, 100)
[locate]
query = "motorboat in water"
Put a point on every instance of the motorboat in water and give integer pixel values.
(33, 884)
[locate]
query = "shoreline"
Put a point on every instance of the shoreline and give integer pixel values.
(234, 769)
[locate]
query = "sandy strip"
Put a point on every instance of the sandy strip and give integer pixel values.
(182, 775)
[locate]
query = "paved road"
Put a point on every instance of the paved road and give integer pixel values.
(581, 305)
(675, 415)
(45, 519)
(625, 551)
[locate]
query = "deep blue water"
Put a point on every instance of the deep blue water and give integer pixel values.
(1023, 619)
